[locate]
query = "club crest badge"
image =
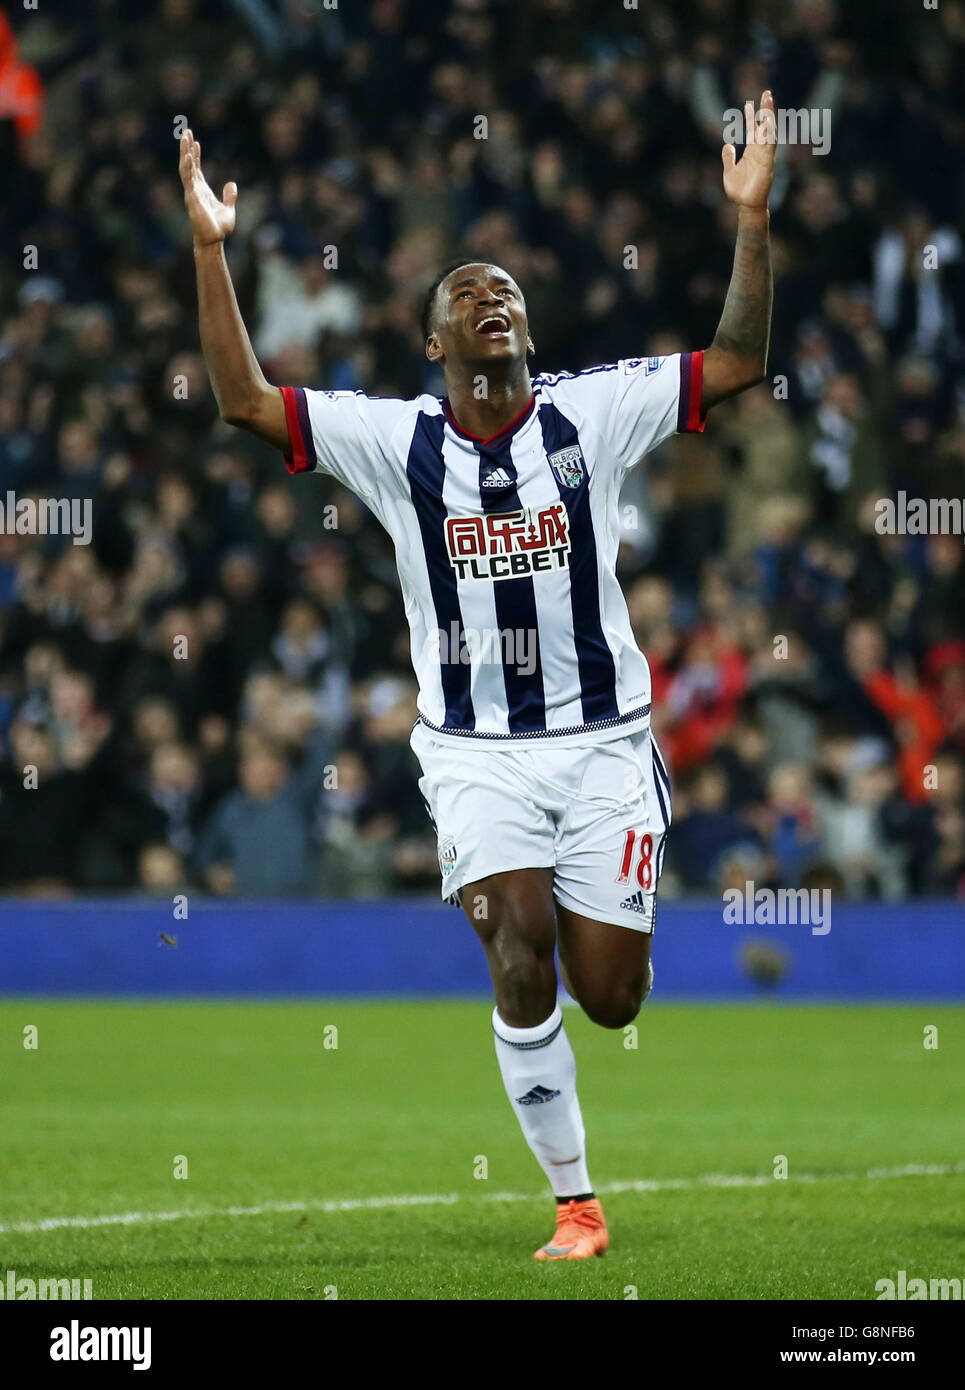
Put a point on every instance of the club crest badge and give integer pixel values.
(568, 466)
(447, 855)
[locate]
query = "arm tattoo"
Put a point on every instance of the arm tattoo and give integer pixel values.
(745, 324)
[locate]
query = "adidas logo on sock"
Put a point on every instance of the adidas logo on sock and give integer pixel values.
(537, 1096)
(637, 903)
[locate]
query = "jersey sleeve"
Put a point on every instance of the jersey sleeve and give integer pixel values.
(655, 397)
(638, 402)
(345, 433)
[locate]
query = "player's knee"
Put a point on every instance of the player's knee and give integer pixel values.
(614, 1016)
(524, 975)
(519, 936)
(615, 1008)
(524, 978)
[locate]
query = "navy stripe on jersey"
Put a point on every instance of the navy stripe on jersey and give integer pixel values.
(426, 472)
(515, 599)
(598, 677)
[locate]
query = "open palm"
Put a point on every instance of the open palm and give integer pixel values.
(747, 181)
(211, 219)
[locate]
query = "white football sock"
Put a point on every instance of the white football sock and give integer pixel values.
(539, 1073)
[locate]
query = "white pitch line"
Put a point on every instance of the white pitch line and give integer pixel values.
(708, 1180)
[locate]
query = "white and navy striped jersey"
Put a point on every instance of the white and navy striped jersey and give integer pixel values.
(507, 547)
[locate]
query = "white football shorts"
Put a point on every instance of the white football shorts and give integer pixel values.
(595, 813)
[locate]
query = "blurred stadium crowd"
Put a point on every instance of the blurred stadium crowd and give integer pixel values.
(809, 672)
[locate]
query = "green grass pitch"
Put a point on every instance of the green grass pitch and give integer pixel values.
(409, 1104)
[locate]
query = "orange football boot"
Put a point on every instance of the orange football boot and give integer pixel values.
(580, 1232)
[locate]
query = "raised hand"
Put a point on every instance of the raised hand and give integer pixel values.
(211, 220)
(747, 182)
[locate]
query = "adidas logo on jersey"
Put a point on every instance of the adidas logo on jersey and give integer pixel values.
(497, 478)
(539, 1095)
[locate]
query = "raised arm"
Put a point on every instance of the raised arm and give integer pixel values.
(244, 396)
(737, 358)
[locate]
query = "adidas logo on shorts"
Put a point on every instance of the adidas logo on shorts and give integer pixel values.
(646, 905)
(637, 903)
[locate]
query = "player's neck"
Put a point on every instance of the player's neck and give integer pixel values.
(503, 403)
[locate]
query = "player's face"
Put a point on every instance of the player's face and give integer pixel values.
(480, 316)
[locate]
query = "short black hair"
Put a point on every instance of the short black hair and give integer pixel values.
(428, 304)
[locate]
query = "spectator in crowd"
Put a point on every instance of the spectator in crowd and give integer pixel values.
(165, 809)
(706, 828)
(257, 843)
(789, 823)
(21, 90)
(44, 800)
